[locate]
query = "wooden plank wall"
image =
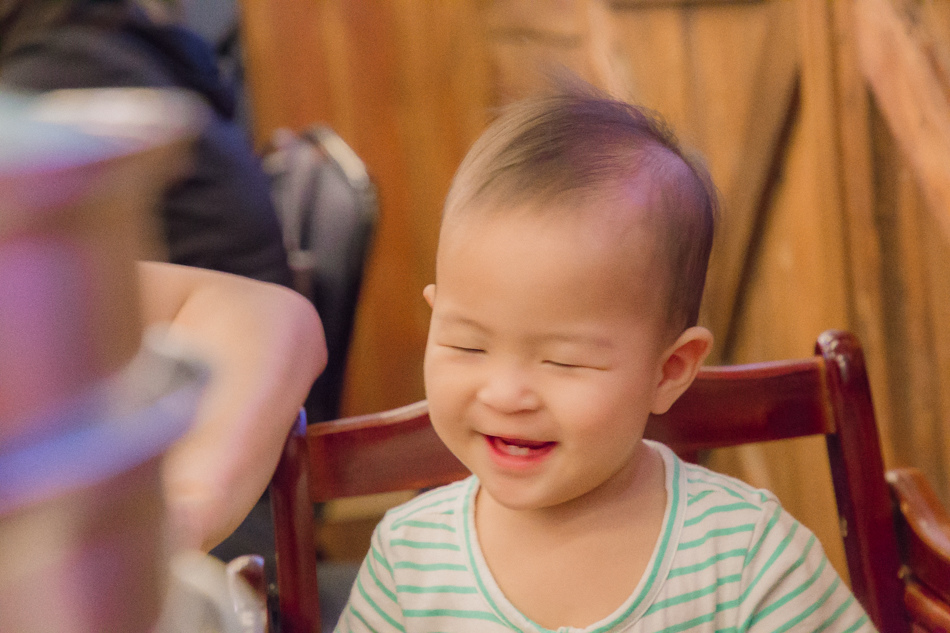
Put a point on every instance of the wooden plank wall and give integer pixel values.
(407, 85)
(904, 55)
(830, 220)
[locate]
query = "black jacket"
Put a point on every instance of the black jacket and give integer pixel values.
(220, 216)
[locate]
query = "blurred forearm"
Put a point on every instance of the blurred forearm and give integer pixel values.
(265, 346)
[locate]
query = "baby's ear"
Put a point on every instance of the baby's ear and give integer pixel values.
(681, 363)
(429, 293)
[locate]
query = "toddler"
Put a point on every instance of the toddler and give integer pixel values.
(570, 267)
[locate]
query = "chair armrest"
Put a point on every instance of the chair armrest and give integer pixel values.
(923, 526)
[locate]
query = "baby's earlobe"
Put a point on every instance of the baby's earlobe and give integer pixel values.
(429, 293)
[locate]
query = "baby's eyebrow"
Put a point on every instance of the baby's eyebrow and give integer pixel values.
(454, 318)
(586, 340)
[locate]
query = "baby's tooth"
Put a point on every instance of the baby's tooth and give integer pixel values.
(518, 451)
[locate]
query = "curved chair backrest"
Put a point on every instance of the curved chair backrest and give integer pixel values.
(923, 530)
(827, 394)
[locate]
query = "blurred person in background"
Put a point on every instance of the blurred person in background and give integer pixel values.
(220, 216)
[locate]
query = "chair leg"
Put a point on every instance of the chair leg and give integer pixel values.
(294, 537)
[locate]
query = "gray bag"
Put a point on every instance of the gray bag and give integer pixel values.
(328, 211)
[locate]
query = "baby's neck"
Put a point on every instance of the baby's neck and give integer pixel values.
(576, 563)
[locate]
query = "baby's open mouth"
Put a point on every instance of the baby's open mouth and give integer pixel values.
(517, 447)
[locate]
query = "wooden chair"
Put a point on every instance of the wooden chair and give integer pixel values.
(827, 394)
(923, 530)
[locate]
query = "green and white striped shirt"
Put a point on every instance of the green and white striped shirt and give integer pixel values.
(729, 559)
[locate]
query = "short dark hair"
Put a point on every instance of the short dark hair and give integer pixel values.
(575, 146)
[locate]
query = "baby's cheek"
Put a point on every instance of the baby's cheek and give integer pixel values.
(441, 376)
(576, 394)
(433, 369)
(598, 411)
(447, 392)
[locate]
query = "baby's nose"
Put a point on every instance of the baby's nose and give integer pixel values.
(509, 390)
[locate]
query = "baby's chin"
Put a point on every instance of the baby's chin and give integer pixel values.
(540, 502)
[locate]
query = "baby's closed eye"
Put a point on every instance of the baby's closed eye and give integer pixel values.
(558, 363)
(573, 363)
(466, 349)
(461, 344)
